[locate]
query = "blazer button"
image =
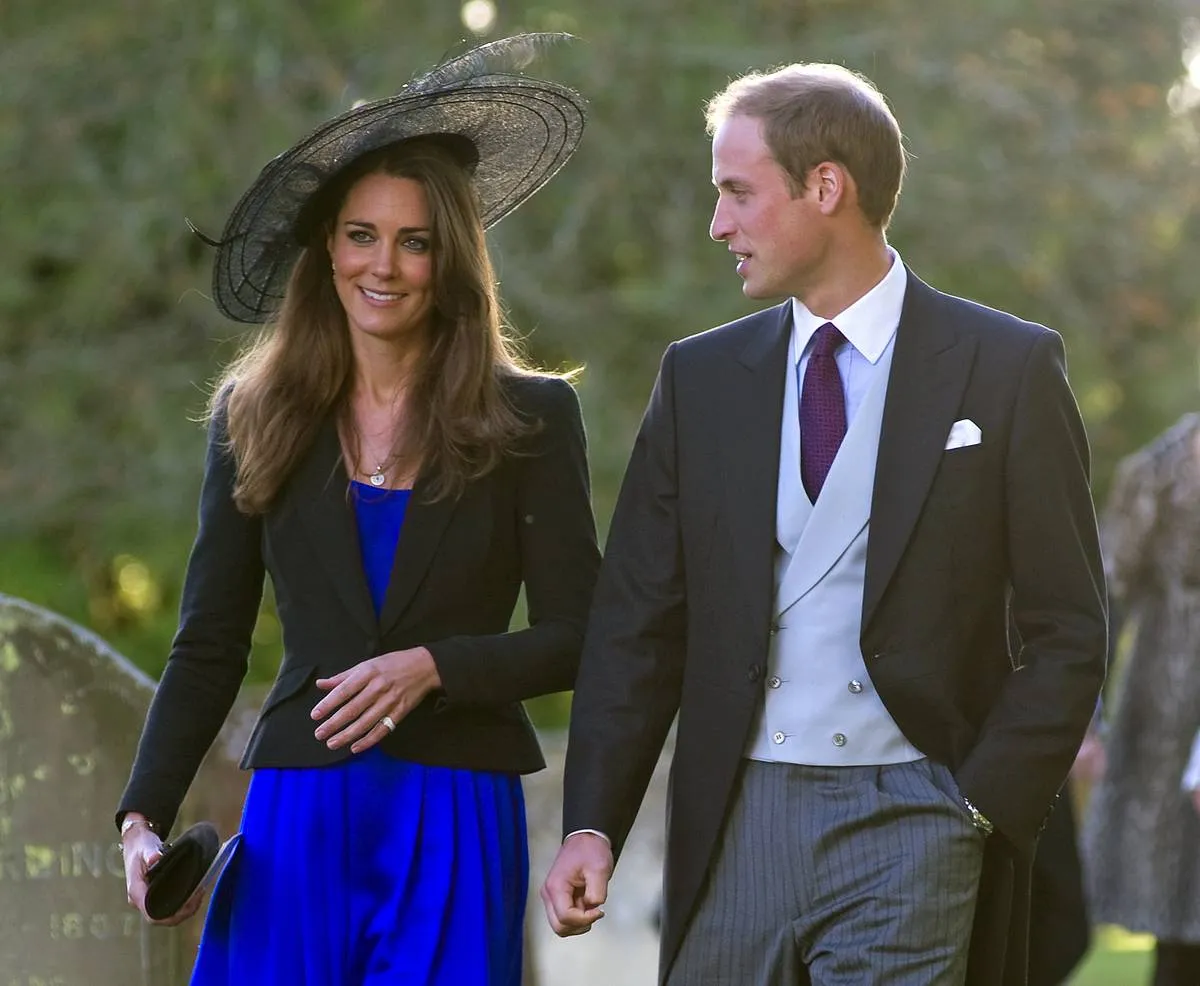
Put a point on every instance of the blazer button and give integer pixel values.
(754, 673)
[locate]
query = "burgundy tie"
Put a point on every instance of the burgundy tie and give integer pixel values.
(822, 411)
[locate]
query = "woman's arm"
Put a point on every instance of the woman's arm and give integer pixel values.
(559, 561)
(221, 595)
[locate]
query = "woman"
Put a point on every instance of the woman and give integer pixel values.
(380, 452)
(1142, 835)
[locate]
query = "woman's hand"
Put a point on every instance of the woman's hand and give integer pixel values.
(391, 685)
(142, 848)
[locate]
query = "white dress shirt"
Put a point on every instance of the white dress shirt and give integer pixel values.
(869, 326)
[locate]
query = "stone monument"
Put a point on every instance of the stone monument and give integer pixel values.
(71, 711)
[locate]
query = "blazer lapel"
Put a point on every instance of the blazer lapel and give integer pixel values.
(755, 400)
(930, 369)
(424, 524)
(321, 496)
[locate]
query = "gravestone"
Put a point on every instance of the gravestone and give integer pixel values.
(71, 711)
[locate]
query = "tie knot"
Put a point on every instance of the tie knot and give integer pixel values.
(828, 338)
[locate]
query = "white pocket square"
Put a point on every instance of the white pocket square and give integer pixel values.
(963, 433)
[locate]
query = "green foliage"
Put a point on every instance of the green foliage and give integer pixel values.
(1053, 175)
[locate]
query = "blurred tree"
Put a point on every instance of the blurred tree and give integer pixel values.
(1054, 153)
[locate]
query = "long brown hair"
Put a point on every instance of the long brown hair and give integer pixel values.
(300, 368)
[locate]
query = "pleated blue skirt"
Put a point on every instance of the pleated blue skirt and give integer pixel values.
(372, 871)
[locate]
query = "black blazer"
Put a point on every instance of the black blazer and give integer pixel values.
(682, 612)
(459, 567)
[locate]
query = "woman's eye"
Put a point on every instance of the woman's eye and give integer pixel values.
(417, 244)
(359, 236)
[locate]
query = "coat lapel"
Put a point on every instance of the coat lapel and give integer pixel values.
(323, 503)
(321, 496)
(755, 400)
(930, 369)
(424, 524)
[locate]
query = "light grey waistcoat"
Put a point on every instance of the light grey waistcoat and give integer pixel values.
(819, 704)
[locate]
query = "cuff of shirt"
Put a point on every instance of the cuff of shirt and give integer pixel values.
(1191, 775)
(589, 832)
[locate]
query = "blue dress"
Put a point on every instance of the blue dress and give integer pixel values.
(374, 870)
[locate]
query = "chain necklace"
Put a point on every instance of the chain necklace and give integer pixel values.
(377, 477)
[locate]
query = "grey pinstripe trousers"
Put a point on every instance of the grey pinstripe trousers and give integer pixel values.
(838, 876)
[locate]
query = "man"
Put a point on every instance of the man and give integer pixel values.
(830, 510)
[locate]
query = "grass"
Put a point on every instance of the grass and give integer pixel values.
(1117, 959)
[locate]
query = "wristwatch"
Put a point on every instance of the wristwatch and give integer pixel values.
(979, 818)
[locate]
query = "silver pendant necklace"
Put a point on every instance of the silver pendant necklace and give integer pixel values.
(378, 478)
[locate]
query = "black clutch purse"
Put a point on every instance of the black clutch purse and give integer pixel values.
(195, 858)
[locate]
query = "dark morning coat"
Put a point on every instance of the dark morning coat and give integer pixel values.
(683, 606)
(459, 566)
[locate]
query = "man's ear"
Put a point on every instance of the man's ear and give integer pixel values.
(831, 184)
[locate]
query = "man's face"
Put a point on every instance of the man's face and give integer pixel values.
(776, 238)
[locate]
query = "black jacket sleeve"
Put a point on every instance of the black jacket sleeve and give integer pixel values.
(559, 559)
(1033, 730)
(208, 660)
(631, 674)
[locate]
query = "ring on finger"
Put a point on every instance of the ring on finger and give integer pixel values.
(388, 723)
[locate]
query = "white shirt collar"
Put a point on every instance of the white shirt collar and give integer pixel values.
(868, 324)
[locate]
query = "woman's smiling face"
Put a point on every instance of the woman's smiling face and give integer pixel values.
(381, 246)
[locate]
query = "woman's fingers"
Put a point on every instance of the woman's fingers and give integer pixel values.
(141, 852)
(346, 702)
(353, 711)
(368, 720)
(377, 733)
(190, 907)
(351, 683)
(325, 684)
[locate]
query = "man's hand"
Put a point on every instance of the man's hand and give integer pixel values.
(577, 884)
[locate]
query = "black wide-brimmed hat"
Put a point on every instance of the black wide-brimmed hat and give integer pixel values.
(518, 131)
